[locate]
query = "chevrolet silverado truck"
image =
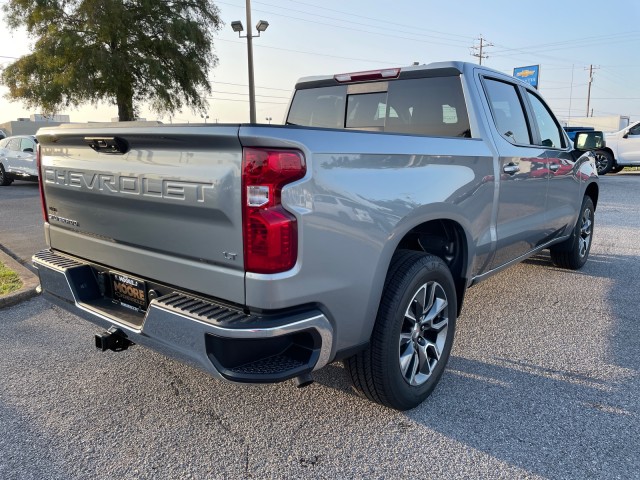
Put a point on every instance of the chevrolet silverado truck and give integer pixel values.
(262, 253)
(622, 149)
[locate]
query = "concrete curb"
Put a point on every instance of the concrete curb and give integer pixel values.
(30, 283)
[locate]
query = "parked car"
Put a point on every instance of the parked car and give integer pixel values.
(18, 159)
(622, 150)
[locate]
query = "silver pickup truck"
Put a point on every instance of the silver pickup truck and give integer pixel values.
(263, 253)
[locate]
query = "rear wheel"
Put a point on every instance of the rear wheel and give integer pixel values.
(604, 161)
(573, 253)
(412, 336)
(4, 179)
(616, 168)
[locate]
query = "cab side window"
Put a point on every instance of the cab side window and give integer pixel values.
(508, 112)
(635, 130)
(550, 135)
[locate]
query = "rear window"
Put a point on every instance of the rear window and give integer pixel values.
(423, 106)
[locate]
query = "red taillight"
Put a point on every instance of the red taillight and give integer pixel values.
(270, 233)
(368, 75)
(41, 182)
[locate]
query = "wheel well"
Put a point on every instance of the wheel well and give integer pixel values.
(445, 239)
(593, 192)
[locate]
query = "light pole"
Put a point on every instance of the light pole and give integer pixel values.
(268, 119)
(261, 26)
(205, 117)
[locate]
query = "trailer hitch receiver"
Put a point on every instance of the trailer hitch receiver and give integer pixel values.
(113, 339)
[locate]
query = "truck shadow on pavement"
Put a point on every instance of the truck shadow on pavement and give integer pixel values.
(547, 421)
(563, 402)
(567, 399)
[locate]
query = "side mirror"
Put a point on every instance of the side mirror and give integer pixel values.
(626, 134)
(589, 140)
(28, 150)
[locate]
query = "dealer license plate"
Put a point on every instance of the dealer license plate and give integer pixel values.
(129, 291)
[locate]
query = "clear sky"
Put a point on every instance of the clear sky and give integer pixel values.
(310, 38)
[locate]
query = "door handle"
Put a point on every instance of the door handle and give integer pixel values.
(511, 168)
(554, 167)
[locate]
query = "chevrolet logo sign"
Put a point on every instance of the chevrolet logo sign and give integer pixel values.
(525, 73)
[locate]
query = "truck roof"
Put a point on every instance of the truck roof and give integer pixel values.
(435, 69)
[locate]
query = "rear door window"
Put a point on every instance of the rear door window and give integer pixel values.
(508, 112)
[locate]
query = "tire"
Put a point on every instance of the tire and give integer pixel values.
(616, 168)
(573, 252)
(4, 179)
(406, 358)
(604, 161)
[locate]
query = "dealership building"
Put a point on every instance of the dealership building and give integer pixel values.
(29, 126)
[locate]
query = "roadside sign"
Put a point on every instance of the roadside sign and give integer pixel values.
(529, 74)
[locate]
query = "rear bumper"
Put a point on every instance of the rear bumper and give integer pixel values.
(223, 340)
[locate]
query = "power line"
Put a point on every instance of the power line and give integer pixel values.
(579, 41)
(243, 100)
(466, 39)
(313, 53)
(383, 34)
(240, 93)
(384, 21)
(244, 85)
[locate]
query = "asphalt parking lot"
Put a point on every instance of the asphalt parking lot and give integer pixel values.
(543, 383)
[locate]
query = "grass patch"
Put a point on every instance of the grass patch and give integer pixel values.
(9, 280)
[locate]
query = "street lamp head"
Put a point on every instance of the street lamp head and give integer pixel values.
(262, 25)
(237, 26)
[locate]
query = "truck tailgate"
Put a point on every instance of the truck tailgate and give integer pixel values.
(168, 208)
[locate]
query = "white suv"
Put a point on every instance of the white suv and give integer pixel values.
(18, 159)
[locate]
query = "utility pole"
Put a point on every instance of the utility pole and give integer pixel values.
(591, 69)
(480, 48)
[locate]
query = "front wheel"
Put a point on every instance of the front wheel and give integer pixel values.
(604, 161)
(412, 336)
(573, 252)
